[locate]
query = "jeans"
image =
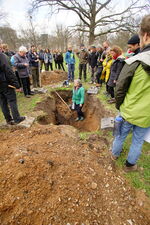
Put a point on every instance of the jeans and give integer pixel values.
(8, 99)
(136, 145)
(82, 67)
(71, 69)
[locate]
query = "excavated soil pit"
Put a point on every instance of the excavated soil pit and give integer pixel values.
(56, 112)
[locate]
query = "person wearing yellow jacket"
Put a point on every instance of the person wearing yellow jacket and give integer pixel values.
(106, 69)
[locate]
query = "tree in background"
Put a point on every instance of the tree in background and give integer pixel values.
(99, 17)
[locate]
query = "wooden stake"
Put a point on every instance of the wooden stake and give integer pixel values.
(63, 100)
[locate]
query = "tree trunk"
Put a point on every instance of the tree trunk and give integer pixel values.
(91, 38)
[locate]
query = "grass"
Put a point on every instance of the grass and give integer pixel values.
(141, 178)
(25, 105)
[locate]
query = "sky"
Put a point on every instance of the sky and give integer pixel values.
(17, 16)
(44, 23)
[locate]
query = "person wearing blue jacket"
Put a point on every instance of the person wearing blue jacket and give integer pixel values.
(70, 61)
(78, 99)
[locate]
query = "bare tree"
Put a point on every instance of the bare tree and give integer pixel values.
(99, 17)
(9, 36)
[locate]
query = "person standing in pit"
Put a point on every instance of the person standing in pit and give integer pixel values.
(78, 99)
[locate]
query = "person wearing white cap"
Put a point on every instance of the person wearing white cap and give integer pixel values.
(22, 65)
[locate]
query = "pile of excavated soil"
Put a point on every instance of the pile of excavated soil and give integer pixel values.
(51, 77)
(57, 112)
(48, 176)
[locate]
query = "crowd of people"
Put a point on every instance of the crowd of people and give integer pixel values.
(126, 77)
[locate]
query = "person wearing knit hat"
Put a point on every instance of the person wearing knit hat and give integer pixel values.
(134, 44)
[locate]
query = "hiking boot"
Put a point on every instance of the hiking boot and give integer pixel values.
(27, 96)
(11, 122)
(114, 157)
(82, 118)
(128, 169)
(22, 118)
(77, 119)
(111, 101)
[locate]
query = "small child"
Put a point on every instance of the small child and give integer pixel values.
(78, 99)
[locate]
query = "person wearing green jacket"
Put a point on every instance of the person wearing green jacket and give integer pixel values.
(133, 99)
(78, 99)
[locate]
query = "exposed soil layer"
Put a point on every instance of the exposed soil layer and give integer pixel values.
(49, 176)
(51, 77)
(58, 113)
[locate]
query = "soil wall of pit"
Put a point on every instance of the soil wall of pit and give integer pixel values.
(56, 112)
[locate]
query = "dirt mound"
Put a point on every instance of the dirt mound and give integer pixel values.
(58, 113)
(51, 77)
(49, 176)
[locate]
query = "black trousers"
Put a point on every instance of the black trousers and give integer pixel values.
(47, 65)
(82, 68)
(56, 64)
(18, 78)
(98, 75)
(78, 108)
(111, 91)
(26, 85)
(61, 66)
(8, 102)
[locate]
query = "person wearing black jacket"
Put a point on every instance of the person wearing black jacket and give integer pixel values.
(34, 64)
(8, 100)
(93, 56)
(60, 60)
(115, 70)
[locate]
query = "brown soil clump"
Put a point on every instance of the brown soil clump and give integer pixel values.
(51, 77)
(49, 176)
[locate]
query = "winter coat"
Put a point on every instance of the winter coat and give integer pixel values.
(78, 95)
(48, 57)
(106, 68)
(60, 58)
(115, 70)
(69, 57)
(32, 58)
(133, 89)
(41, 55)
(19, 61)
(83, 57)
(93, 56)
(7, 76)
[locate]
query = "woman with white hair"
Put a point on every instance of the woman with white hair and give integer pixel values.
(78, 99)
(22, 65)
